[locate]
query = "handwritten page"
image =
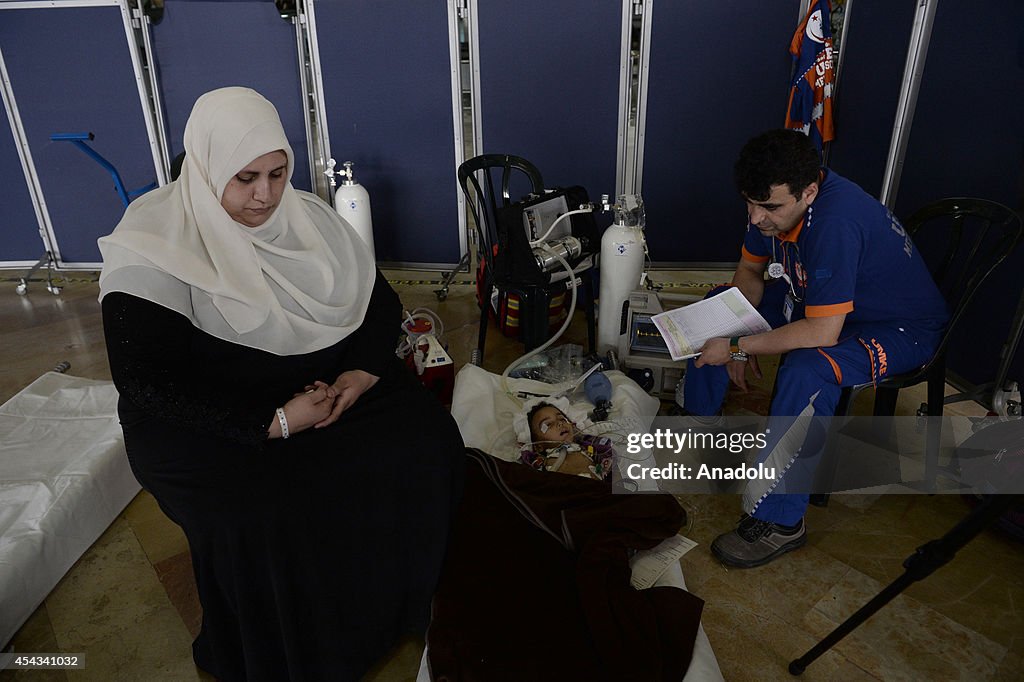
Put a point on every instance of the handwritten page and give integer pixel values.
(686, 329)
(649, 564)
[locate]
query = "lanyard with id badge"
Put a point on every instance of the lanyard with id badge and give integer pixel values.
(777, 270)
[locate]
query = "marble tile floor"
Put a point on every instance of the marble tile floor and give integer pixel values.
(130, 604)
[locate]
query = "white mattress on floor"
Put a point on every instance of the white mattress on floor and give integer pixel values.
(64, 477)
(484, 414)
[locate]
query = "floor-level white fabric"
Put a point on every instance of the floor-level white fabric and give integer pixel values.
(483, 410)
(64, 477)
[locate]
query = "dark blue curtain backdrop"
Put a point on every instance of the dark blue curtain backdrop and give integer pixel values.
(71, 71)
(549, 87)
(388, 90)
(201, 45)
(968, 140)
(871, 74)
(719, 74)
(20, 227)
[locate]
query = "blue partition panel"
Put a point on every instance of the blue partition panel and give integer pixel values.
(871, 74)
(549, 87)
(201, 45)
(718, 75)
(968, 140)
(71, 71)
(967, 137)
(21, 240)
(388, 91)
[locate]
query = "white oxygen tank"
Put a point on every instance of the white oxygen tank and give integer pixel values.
(622, 263)
(352, 202)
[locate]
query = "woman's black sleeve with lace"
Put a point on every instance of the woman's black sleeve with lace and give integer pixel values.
(148, 349)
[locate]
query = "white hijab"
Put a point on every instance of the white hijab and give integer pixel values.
(298, 283)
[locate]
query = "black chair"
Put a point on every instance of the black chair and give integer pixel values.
(981, 234)
(492, 177)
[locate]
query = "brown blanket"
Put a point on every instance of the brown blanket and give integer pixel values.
(535, 584)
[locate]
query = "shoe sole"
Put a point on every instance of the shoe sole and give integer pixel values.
(739, 563)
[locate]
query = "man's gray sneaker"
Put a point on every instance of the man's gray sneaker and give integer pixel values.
(756, 542)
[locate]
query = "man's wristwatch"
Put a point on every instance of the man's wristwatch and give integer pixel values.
(734, 350)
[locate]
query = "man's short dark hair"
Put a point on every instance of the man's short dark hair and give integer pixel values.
(776, 157)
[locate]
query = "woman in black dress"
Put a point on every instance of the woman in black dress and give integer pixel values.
(252, 341)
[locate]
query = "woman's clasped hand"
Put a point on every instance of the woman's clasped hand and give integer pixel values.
(321, 405)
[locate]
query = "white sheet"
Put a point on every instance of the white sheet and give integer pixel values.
(64, 477)
(484, 413)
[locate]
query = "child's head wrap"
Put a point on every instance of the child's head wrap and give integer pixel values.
(521, 422)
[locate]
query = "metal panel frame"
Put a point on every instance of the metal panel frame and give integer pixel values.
(147, 113)
(476, 109)
(625, 151)
(838, 61)
(318, 141)
(646, 24)
(847, 9)
(299, 22)
(160, 164)
(917, 53)
(144, 26)
(456, 81)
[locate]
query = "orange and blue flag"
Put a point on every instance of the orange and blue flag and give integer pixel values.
(810, 98)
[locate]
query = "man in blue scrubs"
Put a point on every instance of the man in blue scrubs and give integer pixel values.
(850, 301)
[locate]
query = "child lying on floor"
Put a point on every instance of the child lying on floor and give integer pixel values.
(552, 439)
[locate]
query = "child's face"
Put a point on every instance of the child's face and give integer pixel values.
(549, 425)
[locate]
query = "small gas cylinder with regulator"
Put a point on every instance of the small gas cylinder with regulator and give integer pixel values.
(352, 202)
(623, 249)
